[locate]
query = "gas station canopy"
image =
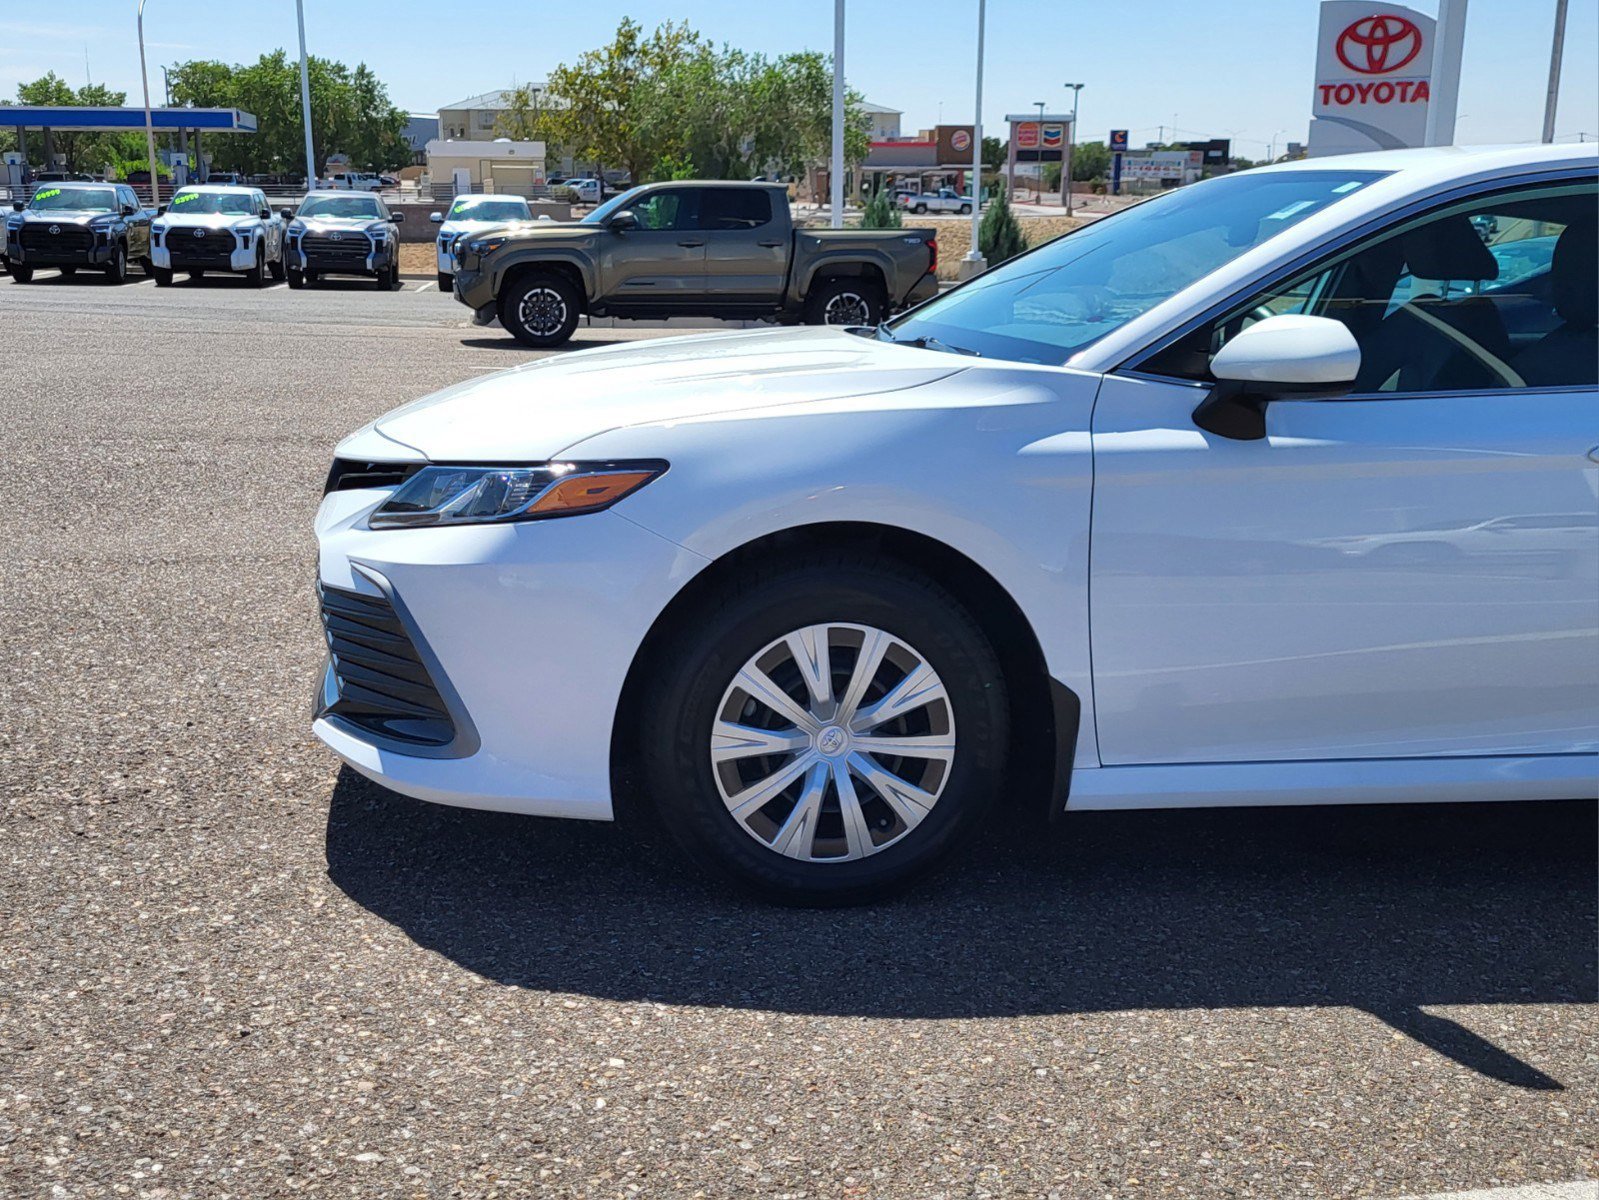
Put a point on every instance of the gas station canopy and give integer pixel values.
(112, 120)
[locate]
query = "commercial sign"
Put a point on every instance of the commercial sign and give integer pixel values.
(1118, 139)
(1182, 166)
(1039, 139)
(1374, 77)
(954, 144)
(1027, 135)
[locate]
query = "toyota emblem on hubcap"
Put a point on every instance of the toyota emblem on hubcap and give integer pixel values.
(831, 740)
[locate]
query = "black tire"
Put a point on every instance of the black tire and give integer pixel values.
(21, 273)
(256, 275)
(296, 280)
(446, 282)
(116, 271)
(920, 209)
(551, 303)
(278, 268)
(68, 272)
(162, 275)
(147, 266)
(697, 664)
(391, 278)
(966, 210)
(844, 300)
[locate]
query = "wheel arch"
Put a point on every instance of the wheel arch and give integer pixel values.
(569, 269)
(1046, 713)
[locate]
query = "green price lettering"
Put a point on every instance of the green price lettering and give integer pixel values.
(47, 193)
(184, 198)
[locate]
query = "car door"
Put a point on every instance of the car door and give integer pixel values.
(661, 261)
(138, 223)
(746, 247)
(1376, 578)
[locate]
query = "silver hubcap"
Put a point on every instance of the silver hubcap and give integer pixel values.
(847, 308)
(542, 311)
(833, 743)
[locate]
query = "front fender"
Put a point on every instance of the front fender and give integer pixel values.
(513, 257)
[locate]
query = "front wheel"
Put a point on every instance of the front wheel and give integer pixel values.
(116, 270)
(390, 279)
(827, 732)
(921, 209)
(256, 275)
(540, 310)
(446, 282)
(848, 300)
(966, 210)
(278, 269)
(163, 276)
(21, 273)
(296, 280)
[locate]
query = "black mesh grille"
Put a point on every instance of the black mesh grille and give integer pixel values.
(214, 249)
(384, 687)
(347, 474)
(36, 235)
(350, 249)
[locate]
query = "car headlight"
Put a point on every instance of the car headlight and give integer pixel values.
(441, 495)
(487, 245)
(296, 228)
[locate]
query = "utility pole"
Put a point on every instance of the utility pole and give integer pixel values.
(1071, 141)
(836, 170)
(305, 102)
(1038, 179)
(973, 263)
(1448, 38)
(149, 124)
(1556, 49)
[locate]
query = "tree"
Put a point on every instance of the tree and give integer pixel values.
(526, 118)
(84, 151)
(999, 237)
(881, 211)
(993, 153)
(1091, 160)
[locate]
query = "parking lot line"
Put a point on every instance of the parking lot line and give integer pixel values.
(1583, 1190)
(424, 286)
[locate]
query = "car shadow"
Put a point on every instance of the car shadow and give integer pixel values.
(578, 342)
(224, 279)
(1383, 909)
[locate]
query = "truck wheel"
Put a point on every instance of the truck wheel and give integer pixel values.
(163, 276)
(446, 282)
(391, 278)
(539, 309)
(296, 280)
(116, 270)
(846, 300)
(966, 210)
(278, 269)
(256, 275)
(21, 273)
(920, 208)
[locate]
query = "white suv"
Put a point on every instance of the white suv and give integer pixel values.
(207, 228)
(1077, 532)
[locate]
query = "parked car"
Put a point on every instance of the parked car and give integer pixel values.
(946, 200)
(223, 178)
(470, 215)
(218, 228)
(690, 249)
(588, 190)
(336, 233)
(100, 226)
(354, 181)
(822, 597)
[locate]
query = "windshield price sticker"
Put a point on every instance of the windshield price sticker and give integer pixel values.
(184, 198)
(47, 194)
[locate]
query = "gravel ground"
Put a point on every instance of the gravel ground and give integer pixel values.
(228, 968)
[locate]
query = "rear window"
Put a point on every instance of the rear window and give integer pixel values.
(735, 208)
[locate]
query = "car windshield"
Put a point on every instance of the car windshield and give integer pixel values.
(79, 199)
(228, 204)
(350, 208)
(1047, 305)
(615, 204)
(476, 208)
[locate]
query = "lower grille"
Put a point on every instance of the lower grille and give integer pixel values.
(72, 239)
(350, 250)
(384, 687)
(215, 249)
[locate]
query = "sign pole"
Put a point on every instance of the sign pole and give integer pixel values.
(837, 169)
(149, 124)
(974, 263)
(1556, 50)
(305, 102)
(1444, 95)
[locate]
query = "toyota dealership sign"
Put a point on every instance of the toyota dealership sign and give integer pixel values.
(1374, 77)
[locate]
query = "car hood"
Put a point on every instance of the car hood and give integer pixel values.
(68, 216)
(534, 412)
(205, 220)
(471, 226)
(339, 224)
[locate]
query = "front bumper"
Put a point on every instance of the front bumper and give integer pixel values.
(377, 259)
(531, 629)
(170, 252)
(97, 255)
(474, 287)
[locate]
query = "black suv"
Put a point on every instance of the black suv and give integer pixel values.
(343, 233)
(70, 225)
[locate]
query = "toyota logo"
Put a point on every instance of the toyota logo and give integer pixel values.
(1379, 44)
(199, 233)
(335, 237)
(55, 229)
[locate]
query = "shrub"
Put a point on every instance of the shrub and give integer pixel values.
(999, 236)
(881, 212)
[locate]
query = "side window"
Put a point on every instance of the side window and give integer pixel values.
(1490, 293)
(735, 208)
(664, 210)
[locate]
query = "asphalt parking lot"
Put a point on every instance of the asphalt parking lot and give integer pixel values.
(228, 968)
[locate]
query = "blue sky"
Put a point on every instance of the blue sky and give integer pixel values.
(1239, 68)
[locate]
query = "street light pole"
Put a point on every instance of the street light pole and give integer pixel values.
(836, 170)
(1038, 179)
(1556, 50)
(1071, 142)
(149, 124)
(973, 263)
(305, 101)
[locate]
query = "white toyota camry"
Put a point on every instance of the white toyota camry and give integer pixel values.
(1277, 489)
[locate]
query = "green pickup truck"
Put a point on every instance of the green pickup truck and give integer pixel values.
(690, 249)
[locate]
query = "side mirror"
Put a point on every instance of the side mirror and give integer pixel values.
(396, 217)
(128, 210)
(436, 218)
(19, 205)
(1290, 357)
(286, 213)
(622, 221)
(266, 214)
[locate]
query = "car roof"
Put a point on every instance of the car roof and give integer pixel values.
(221, 189)
(1448, 161)
(491, 196)
(339, 193)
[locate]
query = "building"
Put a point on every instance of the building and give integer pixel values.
(885, 121)
(490, 165)
(475, 117)
(420, 129)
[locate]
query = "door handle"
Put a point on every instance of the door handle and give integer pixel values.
(769, 245)
(691, 245)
